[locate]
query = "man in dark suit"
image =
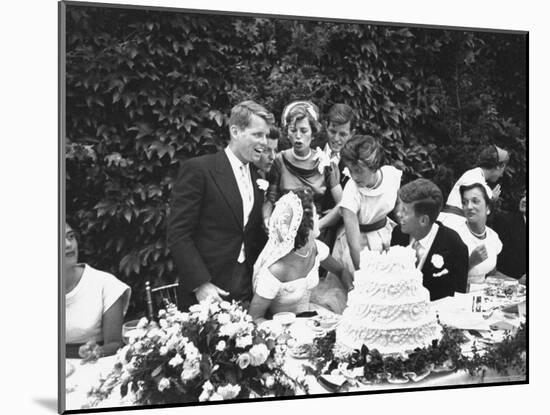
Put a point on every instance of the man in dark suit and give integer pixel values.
(441, 255)
(215, 227)
(338, 130)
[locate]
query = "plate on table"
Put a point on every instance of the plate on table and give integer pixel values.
(325, 322)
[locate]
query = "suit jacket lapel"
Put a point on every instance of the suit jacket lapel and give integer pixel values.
(436, 242)
(227, 185)
(258, 196)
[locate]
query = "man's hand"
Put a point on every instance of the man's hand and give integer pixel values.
(478, 255)
(210, 290)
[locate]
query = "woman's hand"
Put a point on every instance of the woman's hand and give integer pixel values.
(347, 279)
(478, 255)
(334, 178)
(496, 192)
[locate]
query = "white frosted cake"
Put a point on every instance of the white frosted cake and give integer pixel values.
(389, 308)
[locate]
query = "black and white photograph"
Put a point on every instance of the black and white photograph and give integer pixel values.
(264, 207)
(293, 207)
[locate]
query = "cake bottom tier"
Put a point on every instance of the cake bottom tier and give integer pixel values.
(387, 341)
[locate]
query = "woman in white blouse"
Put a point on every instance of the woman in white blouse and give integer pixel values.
(367, 199)
(483, 243)
(288, 267)
(95, 303)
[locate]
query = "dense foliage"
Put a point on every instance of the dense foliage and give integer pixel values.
(147, 89)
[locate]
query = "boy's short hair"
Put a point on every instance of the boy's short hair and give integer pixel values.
(425, 196)
(340, 114)
(274, 133)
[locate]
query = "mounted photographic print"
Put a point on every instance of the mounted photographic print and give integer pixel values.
(262, 207)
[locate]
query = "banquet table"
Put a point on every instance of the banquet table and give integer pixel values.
(455, 311)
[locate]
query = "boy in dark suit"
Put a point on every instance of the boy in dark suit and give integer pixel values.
(441, 255)
(215, 227)
(339, 129)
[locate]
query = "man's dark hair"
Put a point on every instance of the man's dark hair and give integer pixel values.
(425, 196)
(340, 114)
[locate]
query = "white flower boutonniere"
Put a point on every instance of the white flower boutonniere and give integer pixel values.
(346, 172)
(437, 261)
(262, 184)
(324, 159)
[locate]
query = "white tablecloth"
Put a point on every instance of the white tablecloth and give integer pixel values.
(454, 311)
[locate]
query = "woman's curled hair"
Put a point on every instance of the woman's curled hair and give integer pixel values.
(365, 149)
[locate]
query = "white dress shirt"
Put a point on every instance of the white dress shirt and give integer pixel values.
(244, 182)
(424, 245)
(334, 157)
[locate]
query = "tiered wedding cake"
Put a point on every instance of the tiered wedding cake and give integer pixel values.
(389, 309)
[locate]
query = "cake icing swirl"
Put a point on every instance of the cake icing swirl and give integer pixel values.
(389, 309)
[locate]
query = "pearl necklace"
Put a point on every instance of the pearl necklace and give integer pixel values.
(301, 158)
(477, 235)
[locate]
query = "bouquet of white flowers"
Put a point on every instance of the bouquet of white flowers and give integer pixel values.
(213, 352)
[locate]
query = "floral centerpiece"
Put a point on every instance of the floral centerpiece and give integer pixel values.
(446, 354)
(213, 352)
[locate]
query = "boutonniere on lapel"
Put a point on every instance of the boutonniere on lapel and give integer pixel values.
(324, 159)
(262, 184)
(438, 263)
(346, 172)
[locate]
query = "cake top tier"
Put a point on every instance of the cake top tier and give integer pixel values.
(396, 260)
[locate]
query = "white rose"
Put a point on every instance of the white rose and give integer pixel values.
(163, 384)
(224, 318)
(243, 360)
(225, 305)
(176, 360)
(229, 330)
(269, 382)
(243, 341)
(220, 347)
(437, 261)
(262, 184)
(153, 333)
(258, 354)
(207, 389)
(189, 373)
(228, 391)
(142, 323)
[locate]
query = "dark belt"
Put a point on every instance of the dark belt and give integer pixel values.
(373, 226)
(453, 209)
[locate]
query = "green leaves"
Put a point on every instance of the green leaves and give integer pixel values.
(146, 89)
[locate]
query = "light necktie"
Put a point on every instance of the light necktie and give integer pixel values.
(246, 184)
